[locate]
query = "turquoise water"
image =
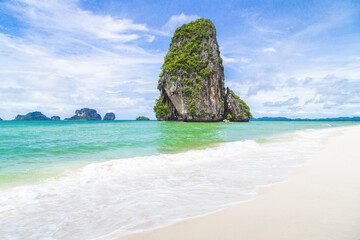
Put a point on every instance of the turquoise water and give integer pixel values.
(102, 180)
(32, 151)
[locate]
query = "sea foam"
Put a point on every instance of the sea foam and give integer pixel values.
(109, 199)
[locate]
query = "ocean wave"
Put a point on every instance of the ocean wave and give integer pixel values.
(109, 199)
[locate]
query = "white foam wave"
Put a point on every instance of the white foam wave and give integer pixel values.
(110, 199)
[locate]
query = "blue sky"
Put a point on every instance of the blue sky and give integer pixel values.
(284, 58)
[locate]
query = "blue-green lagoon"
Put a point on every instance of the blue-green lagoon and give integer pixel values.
(101, 180)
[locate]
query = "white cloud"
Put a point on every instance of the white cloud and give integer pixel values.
(228, 59)
(69, 58)
(66, 16)
(178, 20)
(243, 60)
(298, 63)
(270, 49)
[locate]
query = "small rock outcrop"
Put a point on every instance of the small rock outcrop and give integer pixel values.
(32, 116)
(85, 114)
(142, 118)
(109, 116)
(0, 119)
(191, 83)
(236, 110)
(55, 118)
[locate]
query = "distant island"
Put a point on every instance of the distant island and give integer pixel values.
(0, 119)
(142, 118)
(32, 116)
(85, 114)
(109, 116)
(306, 119)
(191, 83)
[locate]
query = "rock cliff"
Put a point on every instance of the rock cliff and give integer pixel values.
(55, 118)
(0, 119)
(191, 83)
(109, 116)
(85, 114)
(236, 109)
(32, 116)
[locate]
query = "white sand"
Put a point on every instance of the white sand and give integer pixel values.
(321, 200)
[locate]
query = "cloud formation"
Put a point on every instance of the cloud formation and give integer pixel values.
(178, 20)
(70, 58)
(287, 102)
(58, 56)
(270, 49)
(306, 72)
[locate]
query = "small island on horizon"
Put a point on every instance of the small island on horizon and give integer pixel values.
(38, 116)
(142, 118)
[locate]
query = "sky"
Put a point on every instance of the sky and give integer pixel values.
(283, 58)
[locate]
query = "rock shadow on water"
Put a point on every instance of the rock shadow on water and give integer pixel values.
(177, 137)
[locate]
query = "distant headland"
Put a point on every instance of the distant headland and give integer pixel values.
(306, 119)
(191, 83)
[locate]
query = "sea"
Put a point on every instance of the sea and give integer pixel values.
(69, 180)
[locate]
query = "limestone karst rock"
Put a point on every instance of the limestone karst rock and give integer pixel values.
(236, 109)
(191, 83)
(109, 116)
(85, 114)
(32, 116)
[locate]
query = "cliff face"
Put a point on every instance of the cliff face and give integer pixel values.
(236, 109)
(191, 83)
(109, 116)
(85, 114)
(33, 116)
(192, 80)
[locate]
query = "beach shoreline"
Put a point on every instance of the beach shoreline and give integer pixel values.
(318, 201)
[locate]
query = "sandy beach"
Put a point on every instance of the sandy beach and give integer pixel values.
(320, 200)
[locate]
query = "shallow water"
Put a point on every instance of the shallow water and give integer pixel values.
(101, 180)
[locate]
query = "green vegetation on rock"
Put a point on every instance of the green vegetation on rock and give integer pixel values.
(33, 116)
(185, 49)
(160, 109)
(227, 116)
(85, 114)
(244, 106)
(186, 64)
(191, 82)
